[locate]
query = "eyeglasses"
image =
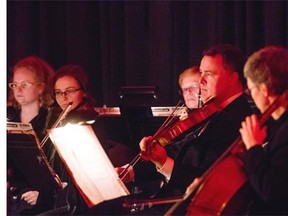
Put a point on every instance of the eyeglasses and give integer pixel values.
(23, 85)
(68, 92)
(192, 89)
(248, 90)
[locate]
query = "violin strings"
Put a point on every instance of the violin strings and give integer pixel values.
(170, 118)
(162, 127)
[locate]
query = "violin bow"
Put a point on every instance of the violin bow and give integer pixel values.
(164, 125)
(56, 124)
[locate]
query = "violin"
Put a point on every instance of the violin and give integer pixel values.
(169, 132)
(194, 118)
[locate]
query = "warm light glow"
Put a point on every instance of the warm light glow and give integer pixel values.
(83, 155)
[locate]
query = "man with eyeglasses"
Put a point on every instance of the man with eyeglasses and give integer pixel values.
(266, 155)
(190, 89)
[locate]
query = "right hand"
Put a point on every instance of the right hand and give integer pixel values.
(30, 197)
(251, 132)
(153, 151)
(129, 175)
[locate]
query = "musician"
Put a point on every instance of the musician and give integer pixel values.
(148, 182)
(29, 99)
(221, 79)
(266, 159)
(70, 84)
(190, 88)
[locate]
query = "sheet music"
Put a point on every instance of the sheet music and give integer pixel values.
(22, 140)
(88, 163)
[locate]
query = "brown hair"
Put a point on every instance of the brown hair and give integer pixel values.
(78, 73)
(269, 65)
(232, 56)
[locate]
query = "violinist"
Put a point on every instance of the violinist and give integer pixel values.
(189, 89)
(221, 79)
(143, 176)
(70, 84)
(266, 158)
(28, 102)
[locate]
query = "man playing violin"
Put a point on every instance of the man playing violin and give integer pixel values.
(148, 181)
(266, 158)
(221, 80)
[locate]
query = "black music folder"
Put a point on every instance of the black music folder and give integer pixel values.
(23, 148)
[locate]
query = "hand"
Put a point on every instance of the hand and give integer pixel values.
(30, 197)
(153, 151)
(251, 132)
(182, 114)
(195, 184)
(129, 175)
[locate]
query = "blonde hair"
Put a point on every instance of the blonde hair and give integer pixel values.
(193, 70)
(43, 73)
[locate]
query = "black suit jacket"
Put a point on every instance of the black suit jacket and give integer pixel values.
(197, 155)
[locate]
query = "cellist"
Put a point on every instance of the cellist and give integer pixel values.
(222, 79)
(266, 158)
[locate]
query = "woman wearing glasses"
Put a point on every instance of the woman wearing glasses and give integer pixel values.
(28, 102)
(70, 84)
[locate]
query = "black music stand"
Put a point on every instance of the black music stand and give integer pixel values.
(138, 95)
(135, 108)
(24, 151)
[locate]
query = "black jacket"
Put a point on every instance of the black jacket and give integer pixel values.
(197, 155)
(16, 177)
(70, 198)
(267, 169)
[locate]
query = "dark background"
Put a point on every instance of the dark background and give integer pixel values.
(130, 43)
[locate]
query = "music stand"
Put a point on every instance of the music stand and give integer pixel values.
(135, 108)
(138, 95)
(23, 148)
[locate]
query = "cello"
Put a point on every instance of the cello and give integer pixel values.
(224, 188)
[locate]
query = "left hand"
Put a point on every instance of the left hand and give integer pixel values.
(30, 197)
(251, 132)
(183, 114)
(153, 151)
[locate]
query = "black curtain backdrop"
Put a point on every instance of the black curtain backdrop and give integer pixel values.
(136, 43)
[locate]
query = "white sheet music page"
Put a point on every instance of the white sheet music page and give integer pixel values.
(88, 164)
